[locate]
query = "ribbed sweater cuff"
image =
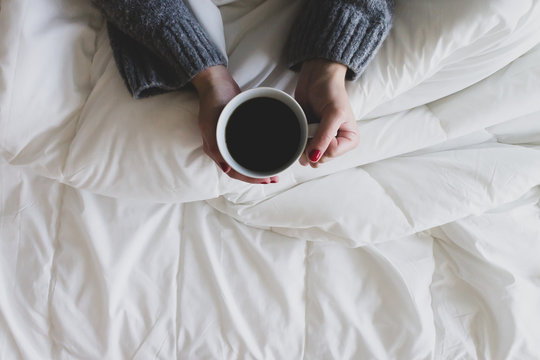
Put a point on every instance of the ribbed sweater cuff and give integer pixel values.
(344, 35)
(185, 45)
(144, 73)
(179, 51)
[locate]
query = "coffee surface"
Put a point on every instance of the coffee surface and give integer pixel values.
(262, 134)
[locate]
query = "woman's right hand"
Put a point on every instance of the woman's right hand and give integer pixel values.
(216, 88)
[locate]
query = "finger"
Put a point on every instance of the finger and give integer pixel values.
(324, 159)
(236, 175)
(211, 149)
(218, 159)
(303, 159)
(347, 139)
(208, 130)
(331, 120)
(213, 152)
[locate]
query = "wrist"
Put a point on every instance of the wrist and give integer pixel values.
(212, 79)
(328, 69)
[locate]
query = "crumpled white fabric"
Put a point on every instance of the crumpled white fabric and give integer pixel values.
(120, 239)
(86, 131)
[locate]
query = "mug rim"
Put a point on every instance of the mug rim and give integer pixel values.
(241, 98)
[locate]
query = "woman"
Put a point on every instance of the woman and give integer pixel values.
(159, 46)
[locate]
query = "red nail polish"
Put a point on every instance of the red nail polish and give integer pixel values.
(315, 155)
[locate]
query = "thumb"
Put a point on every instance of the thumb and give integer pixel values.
(325, 135)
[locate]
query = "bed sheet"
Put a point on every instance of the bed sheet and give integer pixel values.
(88, 276)
(423, 243)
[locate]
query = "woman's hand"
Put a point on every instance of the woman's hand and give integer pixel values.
(321, 93)
(216, 88)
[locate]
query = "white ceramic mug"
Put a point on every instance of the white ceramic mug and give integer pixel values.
(306, 130)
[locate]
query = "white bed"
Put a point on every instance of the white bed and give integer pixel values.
(120, 239)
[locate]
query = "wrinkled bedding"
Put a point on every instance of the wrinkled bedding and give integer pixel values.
(120, 239)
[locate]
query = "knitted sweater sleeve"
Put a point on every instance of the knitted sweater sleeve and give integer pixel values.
(158, 45)
(344, 31)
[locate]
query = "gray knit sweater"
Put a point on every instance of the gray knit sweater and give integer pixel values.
(159, 46)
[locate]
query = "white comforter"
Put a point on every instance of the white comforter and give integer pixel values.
(120, 239)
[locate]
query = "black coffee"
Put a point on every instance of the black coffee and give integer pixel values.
(262, 134)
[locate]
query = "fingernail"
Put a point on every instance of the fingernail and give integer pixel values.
(273, 181)
(314, 155)
(224, 167)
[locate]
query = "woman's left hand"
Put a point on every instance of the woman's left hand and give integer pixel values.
(321, 93)
(216, 88)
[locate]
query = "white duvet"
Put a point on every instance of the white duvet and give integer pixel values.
(120, 239)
